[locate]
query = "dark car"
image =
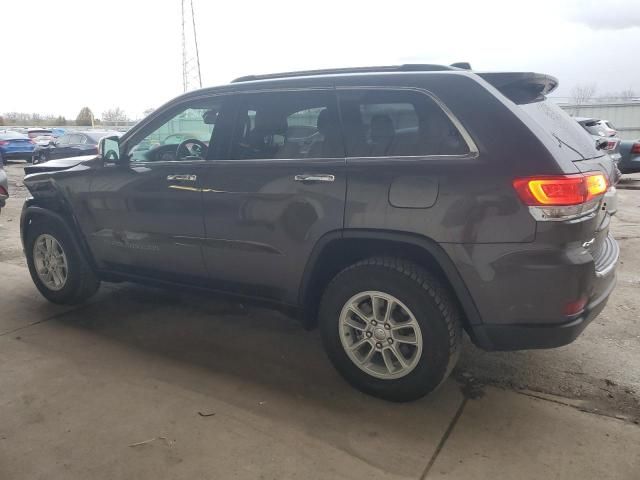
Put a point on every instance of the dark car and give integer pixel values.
(428, 200)
(71, 144)
(15, 146)
(629, 156)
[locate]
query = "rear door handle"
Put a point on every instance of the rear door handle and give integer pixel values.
(182, 178)
(314, 177)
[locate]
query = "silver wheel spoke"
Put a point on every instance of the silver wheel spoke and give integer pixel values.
(396, 353)
(357, 345)
(355, 324)
(388, 361)
(378, 304)
(355, 309)
(367, 357)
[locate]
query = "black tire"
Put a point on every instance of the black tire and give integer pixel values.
(81, 281)
(431, 304)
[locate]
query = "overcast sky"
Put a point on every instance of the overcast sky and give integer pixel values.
(58, 56)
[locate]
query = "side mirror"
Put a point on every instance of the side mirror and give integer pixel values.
(109, 149)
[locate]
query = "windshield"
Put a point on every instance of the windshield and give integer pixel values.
(562, 127)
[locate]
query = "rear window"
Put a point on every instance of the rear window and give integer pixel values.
(562, 127)
(380, 123)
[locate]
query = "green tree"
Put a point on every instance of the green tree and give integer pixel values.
(85, 117)
(60, 121)
(1, 120)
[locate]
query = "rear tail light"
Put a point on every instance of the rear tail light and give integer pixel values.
(561, 197)
(611, 145)
(4, 142)
(3, 191)
(635, 148)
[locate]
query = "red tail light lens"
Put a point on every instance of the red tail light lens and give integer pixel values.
(611, 145)
(575, 307)
(4, 142)
(635, 148)
(3, 191)
(560, 190)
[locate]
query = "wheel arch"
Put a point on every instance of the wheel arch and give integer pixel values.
(337, 250)
(30, 213)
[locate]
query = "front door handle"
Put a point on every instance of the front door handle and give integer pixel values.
(182, 178)
(314, 177)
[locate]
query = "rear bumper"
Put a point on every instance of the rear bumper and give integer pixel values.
(523, 293)
(17, 155)
(527, 337)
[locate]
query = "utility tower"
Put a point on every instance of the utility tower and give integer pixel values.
(191, 78)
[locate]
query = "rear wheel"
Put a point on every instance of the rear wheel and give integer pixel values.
(59, 271)
(390, 328)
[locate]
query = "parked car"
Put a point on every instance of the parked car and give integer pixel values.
(4, 186)
(629, 156)
(37, 132)
(44, 140)
(605, 137)
(473, 203)
(15, 146)
(71, 144)
(597, 127)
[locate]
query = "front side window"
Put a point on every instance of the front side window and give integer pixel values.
(63, 140)
(75, 139)
(186, 135)
(287, 125)
(381, 123)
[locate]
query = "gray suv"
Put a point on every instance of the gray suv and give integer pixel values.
(394, 207)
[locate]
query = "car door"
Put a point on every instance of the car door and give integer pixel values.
(75, 146)
(271, 197)
(60, 148)
(146, 210)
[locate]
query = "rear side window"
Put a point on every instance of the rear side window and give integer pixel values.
(383, 123)
(287, 125)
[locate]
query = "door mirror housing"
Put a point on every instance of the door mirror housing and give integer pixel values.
(109, 149)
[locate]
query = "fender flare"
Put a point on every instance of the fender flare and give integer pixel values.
(441, 257)
(78, 244)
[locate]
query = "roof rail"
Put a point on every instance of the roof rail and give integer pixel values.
(407, 67)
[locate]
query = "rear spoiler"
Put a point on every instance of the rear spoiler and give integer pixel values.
(522, 87)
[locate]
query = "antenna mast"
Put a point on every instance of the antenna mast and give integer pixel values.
(191, 77)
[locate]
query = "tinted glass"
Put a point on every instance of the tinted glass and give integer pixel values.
(75, 139)
(63, 140)
(287, 125)
(397, 123)
(561, 126)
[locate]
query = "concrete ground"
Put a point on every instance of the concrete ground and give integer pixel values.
(145, 383)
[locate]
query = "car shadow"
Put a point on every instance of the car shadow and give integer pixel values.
(263, 362)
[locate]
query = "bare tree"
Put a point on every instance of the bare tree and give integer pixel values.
(628, 94)
(114, 115)
(148, 111)
(582, 93)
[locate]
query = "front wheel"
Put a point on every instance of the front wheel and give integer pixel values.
(59, 271)
(390, 328)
